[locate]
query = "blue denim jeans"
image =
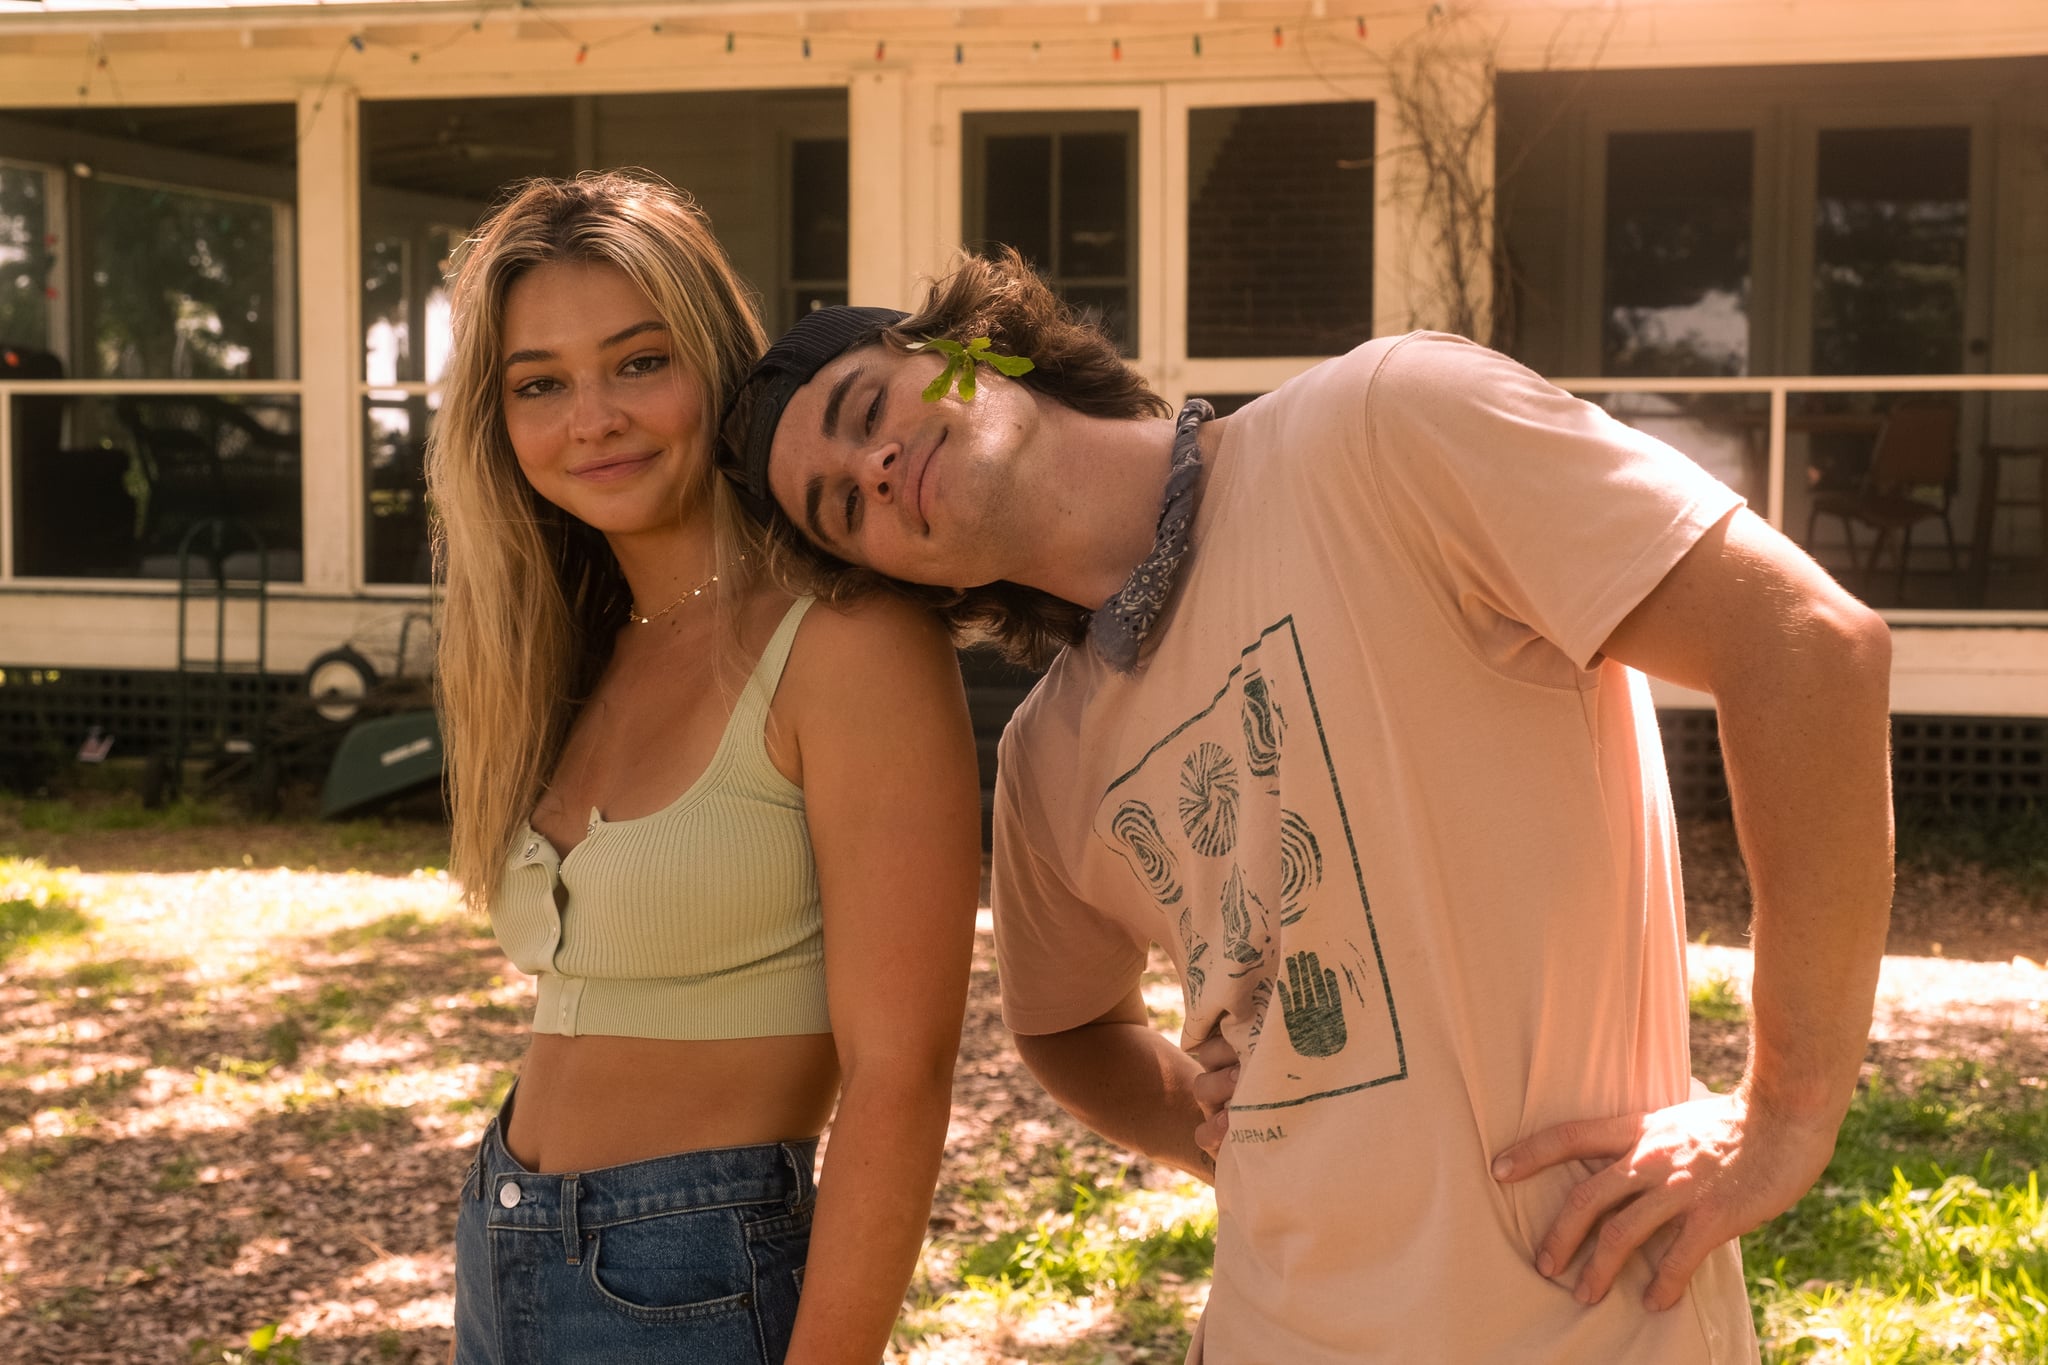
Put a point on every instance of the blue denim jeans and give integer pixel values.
(697, 1257)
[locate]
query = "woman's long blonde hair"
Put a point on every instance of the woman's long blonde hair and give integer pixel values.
(533, 597)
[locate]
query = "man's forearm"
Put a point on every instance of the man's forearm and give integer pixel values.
(1127, 1083)
(1806, 747)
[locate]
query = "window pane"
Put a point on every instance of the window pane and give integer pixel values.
(184, 284)
(1280, 229)
(1016, 206)
(405, 303)
(26, 260)
(387, 337)
(395, 540)
(1059, 187)
(1107, 305)
(1891, 226)
(108, 487)
(1677, 267)
(817, 209)
(178, 264)
(1094, 204)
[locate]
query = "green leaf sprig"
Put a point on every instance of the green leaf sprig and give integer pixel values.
(960, 363)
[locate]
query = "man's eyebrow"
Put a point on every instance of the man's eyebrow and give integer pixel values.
(814, 494)
(541, 353)
(832, 403)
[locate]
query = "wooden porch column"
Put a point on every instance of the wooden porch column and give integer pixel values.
(330, 341)
(877, 266)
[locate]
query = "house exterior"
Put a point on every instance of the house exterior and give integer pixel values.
(1802, 239)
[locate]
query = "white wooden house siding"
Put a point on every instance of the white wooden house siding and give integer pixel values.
(903, 83)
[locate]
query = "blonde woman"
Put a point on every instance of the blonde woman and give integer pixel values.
(732, 833)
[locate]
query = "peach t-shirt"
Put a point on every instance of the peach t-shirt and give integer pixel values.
(1408, 839)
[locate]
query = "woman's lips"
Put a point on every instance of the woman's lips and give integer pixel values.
(605, 471)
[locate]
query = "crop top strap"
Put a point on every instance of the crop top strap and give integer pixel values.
(767, 674)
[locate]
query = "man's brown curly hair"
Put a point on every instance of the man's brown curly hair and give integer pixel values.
(1074, 363)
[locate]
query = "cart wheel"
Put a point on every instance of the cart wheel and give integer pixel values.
(337, 682)
(156, 782)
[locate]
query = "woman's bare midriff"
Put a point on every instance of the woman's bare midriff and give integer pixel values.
(589, 1102)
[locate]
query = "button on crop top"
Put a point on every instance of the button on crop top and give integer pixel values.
(700, 920)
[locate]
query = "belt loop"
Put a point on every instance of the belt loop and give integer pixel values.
(572, 1235)
(801, 1156)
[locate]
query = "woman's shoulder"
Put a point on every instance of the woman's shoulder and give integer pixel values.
(877, 640)
(871, 678)
(878, 622)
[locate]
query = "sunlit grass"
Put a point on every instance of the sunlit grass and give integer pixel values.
(1718, 997)
(1926, 1241)
(1087, 1259)
(38, 907)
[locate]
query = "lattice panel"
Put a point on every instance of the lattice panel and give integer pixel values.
(53, 710)
(1957, 763)
(1970, 763)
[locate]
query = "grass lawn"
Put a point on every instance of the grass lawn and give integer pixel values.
(242, 1066)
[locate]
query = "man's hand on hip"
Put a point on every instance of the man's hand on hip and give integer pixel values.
(1699, 1173)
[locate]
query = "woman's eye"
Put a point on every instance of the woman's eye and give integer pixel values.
(532, 388)
(646, 364)
(852, 506)
(874, 411)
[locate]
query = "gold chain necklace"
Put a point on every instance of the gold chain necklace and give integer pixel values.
(633, 610)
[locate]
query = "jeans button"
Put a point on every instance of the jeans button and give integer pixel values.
(508, 1194)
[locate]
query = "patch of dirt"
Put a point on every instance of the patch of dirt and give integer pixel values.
(1964, 912)
(391, 847)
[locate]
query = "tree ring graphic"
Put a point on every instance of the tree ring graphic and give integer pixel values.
(1301, 865)
(1208, 800)
(1150, 854)
(1263, 727)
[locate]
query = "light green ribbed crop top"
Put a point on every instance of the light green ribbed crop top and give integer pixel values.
(698, 921)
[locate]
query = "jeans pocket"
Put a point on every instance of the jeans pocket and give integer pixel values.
(675, 1267)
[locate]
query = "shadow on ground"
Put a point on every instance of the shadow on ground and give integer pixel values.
(202, 1158)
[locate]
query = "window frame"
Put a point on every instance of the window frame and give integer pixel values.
(1185, 374)
(1148, 315)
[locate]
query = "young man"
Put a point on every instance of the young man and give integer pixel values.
(1349, 720)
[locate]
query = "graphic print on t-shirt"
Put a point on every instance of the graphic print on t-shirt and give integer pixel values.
(1235, 825)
